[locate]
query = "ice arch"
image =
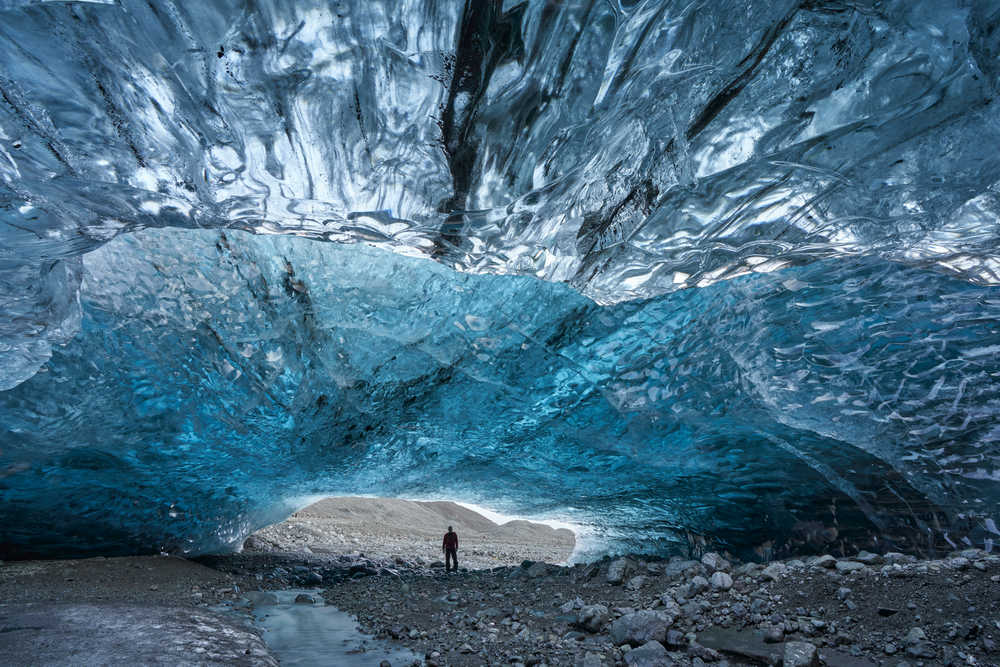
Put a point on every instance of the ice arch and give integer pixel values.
(778, 221)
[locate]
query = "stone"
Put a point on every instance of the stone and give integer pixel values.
(679, 567)
(843, 593)
(722, 581)
(848, 566)
(826, 561)
(697, 585)
(775, 634)
(650, 654)
(676, 639)
(635, 583)
(886, 611)
(914, 635)
(618, 570)
(303, 598)
(715, 563)
(745, 645)
(640, 627)
(774, 571)
(800, 654)
(921, 649)
(536, 570)
(868, 558)
(959, 563)
(591, 659)
(592, 617)
(703, 654)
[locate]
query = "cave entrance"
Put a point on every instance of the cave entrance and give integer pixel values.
(409, 532)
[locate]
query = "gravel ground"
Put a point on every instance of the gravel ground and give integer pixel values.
(842, 612)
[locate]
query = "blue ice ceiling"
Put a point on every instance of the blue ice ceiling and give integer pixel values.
(676, 269)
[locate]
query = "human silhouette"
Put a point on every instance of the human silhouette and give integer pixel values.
(450, 547)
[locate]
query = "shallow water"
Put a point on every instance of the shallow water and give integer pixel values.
(319, 634)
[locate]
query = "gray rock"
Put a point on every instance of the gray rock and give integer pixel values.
(774, 634)
(635, 583)
(537, 570)
(697, 585)
(650, 654)
(676, 639)
(848, 566)
(843, 593)
(774, 571)
(591, 659)
(868, 558)
(592, 617)
(959, 563)
(261, 598)
(302, 598)
(679, 567)
(618, 570)
(826, 561)
(715, 563)
(746, 645)
(640, 627)
(914, 635)
(921, 649)
(722, 581)
(800, 654)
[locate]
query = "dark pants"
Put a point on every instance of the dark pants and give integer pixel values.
(450, 556)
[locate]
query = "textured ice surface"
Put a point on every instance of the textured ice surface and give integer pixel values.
(767, 235)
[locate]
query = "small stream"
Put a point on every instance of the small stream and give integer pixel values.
(318, 634)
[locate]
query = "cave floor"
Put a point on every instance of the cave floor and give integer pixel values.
(142, 610)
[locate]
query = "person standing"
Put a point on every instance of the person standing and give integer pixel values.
(450, 546)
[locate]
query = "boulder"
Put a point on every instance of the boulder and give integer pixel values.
(774, 571)
(722, 581)
(868, 558)
(848, 566)
(640, 627)
(618, 570)
(697, 585)
(826, 561)
(650, 654)
(800, 654)
(679, 567)
(715, 563)
(592, 617)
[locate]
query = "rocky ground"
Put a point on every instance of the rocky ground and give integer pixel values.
(871, 610)
(868, 610)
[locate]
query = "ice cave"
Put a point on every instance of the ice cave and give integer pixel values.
(720, 271)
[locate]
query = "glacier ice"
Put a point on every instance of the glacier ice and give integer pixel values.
(716, 268)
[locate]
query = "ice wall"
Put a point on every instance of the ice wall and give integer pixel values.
(766, 235)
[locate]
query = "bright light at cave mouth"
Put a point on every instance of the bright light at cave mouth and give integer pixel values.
(684, 274)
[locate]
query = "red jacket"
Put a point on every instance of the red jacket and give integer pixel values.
(450, 540)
